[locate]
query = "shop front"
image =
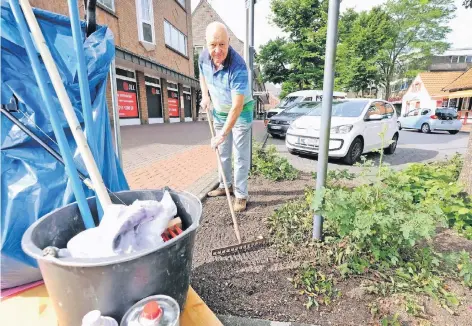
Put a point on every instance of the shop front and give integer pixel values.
(154, 100)
(126, 86)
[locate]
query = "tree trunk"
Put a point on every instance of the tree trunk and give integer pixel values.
(466, 173)
(387, 90)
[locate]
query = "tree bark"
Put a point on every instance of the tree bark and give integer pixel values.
(466, 173)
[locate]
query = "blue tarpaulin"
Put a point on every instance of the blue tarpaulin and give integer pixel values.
(33, 182)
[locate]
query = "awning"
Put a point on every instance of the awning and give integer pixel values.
(467, 93)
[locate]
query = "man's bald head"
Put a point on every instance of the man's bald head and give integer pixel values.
(217, 39)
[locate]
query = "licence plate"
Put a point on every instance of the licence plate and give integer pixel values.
(309, 142)
(446, 122)
(275, 127)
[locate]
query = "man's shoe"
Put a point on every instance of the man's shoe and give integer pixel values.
(240, 205)
(220, 192)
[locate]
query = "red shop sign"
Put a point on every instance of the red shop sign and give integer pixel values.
(127, 99)
(173, 104)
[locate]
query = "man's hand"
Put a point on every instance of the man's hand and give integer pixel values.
(217, 141)
(205, 104)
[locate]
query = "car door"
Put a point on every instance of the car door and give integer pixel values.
(424, 116)
(373, 127)
(410, 120)
(390, 121)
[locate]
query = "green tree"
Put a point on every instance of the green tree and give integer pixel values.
(361, 37)
(418, 30)
(274, 59)
(298, 59)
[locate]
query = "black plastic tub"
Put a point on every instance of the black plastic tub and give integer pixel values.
(112, 285)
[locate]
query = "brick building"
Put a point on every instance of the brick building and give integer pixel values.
(154, 62)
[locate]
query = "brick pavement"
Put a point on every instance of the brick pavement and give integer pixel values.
(173, 155)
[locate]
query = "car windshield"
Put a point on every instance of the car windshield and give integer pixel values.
(446, 113)
(290, 100)
(303, 108)
(349, 109)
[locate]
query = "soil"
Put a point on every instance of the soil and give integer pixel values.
(255, 284)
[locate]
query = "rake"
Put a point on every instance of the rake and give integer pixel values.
(240, 247)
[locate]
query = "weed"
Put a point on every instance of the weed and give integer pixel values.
(318, 287)
(269, 164)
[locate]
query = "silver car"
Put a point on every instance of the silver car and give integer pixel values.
(428, 120)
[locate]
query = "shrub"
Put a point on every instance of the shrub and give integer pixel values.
(268, 163)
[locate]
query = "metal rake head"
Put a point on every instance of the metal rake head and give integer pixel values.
(240, 248)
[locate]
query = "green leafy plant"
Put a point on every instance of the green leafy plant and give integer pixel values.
(316, 286)
(268, 163)
(382, 228)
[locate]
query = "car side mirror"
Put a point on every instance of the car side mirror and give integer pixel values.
(375, 117)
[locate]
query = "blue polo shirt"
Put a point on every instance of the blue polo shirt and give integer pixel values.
(223, 83)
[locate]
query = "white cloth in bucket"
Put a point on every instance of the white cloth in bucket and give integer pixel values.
(125, 229)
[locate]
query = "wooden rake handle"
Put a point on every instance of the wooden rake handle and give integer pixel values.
(228, 196)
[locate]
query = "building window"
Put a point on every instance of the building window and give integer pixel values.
(127, 93)
(182, 2)
(175, 38)
(145, 21)
(198, 49)
(109, 4)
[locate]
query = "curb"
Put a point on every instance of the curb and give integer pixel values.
(228, 320)
(211, 186)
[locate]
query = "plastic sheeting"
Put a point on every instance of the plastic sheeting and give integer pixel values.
(33, 183)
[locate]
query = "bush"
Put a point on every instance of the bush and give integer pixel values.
(268, 163)
(384, 227)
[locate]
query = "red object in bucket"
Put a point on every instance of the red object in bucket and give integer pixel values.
(151, 311)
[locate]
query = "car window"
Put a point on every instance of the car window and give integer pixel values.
(413, 113)
(289, 100)
(390, 110)
(303, 107)
(425, 112)
(446, 114)
(376, 108)
(348, 109)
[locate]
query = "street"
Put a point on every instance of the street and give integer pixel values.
(413, 146)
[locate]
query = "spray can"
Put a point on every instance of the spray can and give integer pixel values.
(156, 310)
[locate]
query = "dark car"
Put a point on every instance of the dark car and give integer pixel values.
(278, 124)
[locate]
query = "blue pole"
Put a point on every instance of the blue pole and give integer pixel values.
(83, 83)
(55, 122)
(83, 76)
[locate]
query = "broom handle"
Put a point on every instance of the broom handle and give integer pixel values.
(228, 196)
(64, 99)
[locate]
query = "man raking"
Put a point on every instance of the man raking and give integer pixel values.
(224, 78)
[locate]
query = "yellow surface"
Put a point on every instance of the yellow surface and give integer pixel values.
(33, 307)
(467, 93)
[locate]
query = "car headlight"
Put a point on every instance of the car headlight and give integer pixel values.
(344, 129)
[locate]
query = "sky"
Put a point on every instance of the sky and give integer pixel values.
(233, 13)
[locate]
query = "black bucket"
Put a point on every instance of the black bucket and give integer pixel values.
(112, 285)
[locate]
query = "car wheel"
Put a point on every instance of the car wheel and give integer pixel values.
(425, 129)
(355, 151)
(399, 125)
(393, 146)
(453, 132)
(291, 151)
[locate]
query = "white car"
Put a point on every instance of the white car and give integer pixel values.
(355, 128)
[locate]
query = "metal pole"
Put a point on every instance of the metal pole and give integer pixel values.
(46, 95)
(327, 101)
(251, 59)
(48, 148)
(116, 114)
(83, 75)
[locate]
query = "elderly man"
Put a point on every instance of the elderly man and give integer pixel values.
(224, 78)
